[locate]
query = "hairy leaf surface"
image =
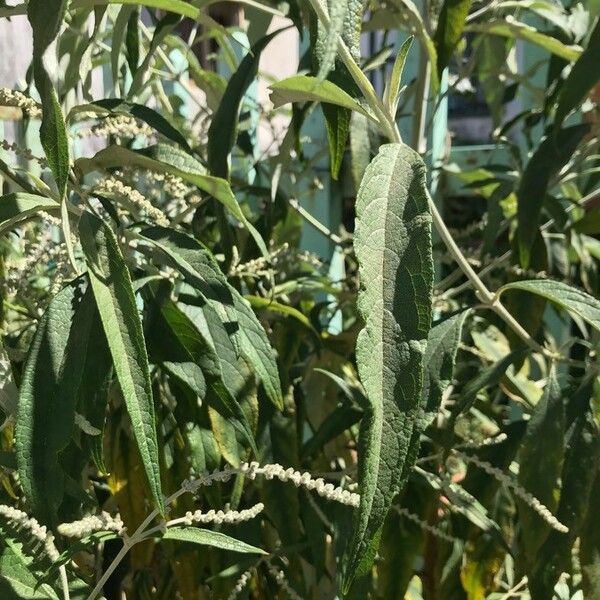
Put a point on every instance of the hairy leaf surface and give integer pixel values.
(393, 247)
(111, 284)
(207, 537)
(570, 298)
(451, 23)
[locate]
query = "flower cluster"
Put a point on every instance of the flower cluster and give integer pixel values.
(218, 517)
(282, 581)
(91, 524)
(118, 126)
(42, 537)
(25, 153)
(519, 491)
(30, 107)
(115, 187)
(253, 470)
(240, 585)
(435, 531)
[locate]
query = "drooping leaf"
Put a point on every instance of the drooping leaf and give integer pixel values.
(17, 207)
(224, 124)
(206, 537)
(200, 269)
(570, 298)
(391, 94)
(540, 465)
(190, 351)
(337, 122)
(550, 156)
(511, 28)
(451, 23)
(167, 159)
(584, 75)
(580, 468)
(163, 28)
(45, 17)
(442, 344)
(302, 88)
(132, 40)
(111, 284)
(45, 413)
(393, 247)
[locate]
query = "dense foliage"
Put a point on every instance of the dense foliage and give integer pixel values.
(197, 405)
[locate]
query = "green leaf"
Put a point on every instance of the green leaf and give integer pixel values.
(590, 549)
(132, 40)
(391, 94)
(338, 12)
(17, 577)
(393, 247)
(223, 127)
(575, 301)
(303, 88)
(192, 349)
(206, 537)
(282, 309)
(167, 159)
(582, 78)
(540, 465)
(511, 28)
(551, 155)
(442, 344)
(201, 271)
(111, 284)
(45, 412)
(410, 17)
(451, 23)
(337, 122)
(163, 28)
(18, 207)
(45, 17)
(119, 33)
(580, 468)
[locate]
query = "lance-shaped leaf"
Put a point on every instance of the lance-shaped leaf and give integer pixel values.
(206, 537)
(44, 416)
(442, 345)
(391, 93)
(19, 206)
(302, 88)
(574, 300)
(450, 27)
(111, 284)
(393, 247)
(584, 75)
(551, 155)
(540, 465)
(201, 271)
(224, 124)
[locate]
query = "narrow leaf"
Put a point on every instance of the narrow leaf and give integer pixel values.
(511, 28)
(111, 284)
(551, 155)
(224, 124)
(391, 94)
(575, 301)
(303, 88)
(201, 271)
(582, 78)
(206, 537)
(442, 344)
(540, 465)
(18, 207)
(451, 23)
(45, 415)
(393, 247)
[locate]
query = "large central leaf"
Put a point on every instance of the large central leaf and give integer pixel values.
(393, 247)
